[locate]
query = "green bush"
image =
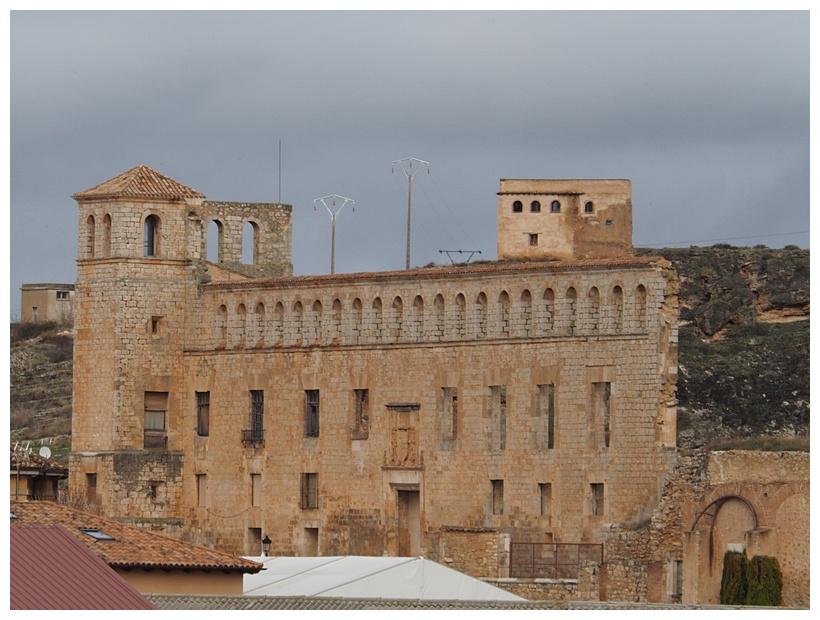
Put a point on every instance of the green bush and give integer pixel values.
(733, 585)
(758, 581)
(764, 581)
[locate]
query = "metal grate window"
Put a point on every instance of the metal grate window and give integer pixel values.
(311, 413)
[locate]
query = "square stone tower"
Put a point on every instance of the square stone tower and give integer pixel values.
(568, 219)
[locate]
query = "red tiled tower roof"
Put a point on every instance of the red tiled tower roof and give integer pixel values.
(139, 182)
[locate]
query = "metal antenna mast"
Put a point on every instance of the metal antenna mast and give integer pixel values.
(406, 165)
(333, 213)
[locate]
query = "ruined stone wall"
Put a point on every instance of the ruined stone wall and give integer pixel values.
(271, 226)
(772, 488)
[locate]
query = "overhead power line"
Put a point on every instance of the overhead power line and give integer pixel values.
(662, 243)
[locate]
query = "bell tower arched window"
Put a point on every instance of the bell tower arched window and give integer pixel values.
(151, 236)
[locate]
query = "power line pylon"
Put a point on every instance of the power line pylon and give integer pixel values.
(333, 213)
(406, 165)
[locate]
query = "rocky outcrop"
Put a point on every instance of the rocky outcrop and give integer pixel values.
(723, 285)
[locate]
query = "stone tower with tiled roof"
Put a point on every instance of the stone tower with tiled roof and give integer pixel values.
(142, 257)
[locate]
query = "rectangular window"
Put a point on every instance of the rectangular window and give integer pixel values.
(597, 490)
(311, 413)
(256, 489)
(533, 239)
(545, 489)
(546, 413)
(361, 413)
(203, 413)
(201, 490)
(498, 414)
(155, 408)
(498, 497)
(449, 412)
(256, 433)
(62, 295)
(156, 324)
(601, 393)
(310, 491)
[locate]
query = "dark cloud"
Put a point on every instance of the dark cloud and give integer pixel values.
(706, 112)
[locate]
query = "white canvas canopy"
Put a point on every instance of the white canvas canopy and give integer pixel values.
(368, 577)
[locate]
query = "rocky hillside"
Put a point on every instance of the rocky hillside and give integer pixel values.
(743, 345)
(743, 363)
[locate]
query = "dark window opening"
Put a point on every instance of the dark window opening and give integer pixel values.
(533, 239)
(311, 413)
(535, 206)
(203, 413)
(156, 324)
(256, 433)
(518, 206)
(62, 295)
(151, 236)
(555, 207)
(310, 491)
(589, 208)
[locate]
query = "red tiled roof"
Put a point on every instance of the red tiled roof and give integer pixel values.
(51, 569)
(139, 182)
(27, 460)
(132, 547)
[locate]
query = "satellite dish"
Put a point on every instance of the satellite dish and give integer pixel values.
(45, 452)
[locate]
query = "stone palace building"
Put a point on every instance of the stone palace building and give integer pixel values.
(450, 412)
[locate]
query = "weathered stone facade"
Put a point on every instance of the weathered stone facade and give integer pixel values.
(445, 412)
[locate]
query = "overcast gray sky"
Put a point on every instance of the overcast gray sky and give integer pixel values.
(706, 112)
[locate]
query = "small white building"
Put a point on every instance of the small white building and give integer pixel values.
(46, 302)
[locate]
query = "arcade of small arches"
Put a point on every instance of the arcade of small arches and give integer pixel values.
(300, 323)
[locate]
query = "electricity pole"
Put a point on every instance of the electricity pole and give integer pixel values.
(333, 213)
(406, 165)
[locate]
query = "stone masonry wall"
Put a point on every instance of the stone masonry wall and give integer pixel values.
(410, 447)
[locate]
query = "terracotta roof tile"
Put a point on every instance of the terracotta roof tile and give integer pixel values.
(51, 569)
(24, 458)
(132, 547)
(139, 182)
